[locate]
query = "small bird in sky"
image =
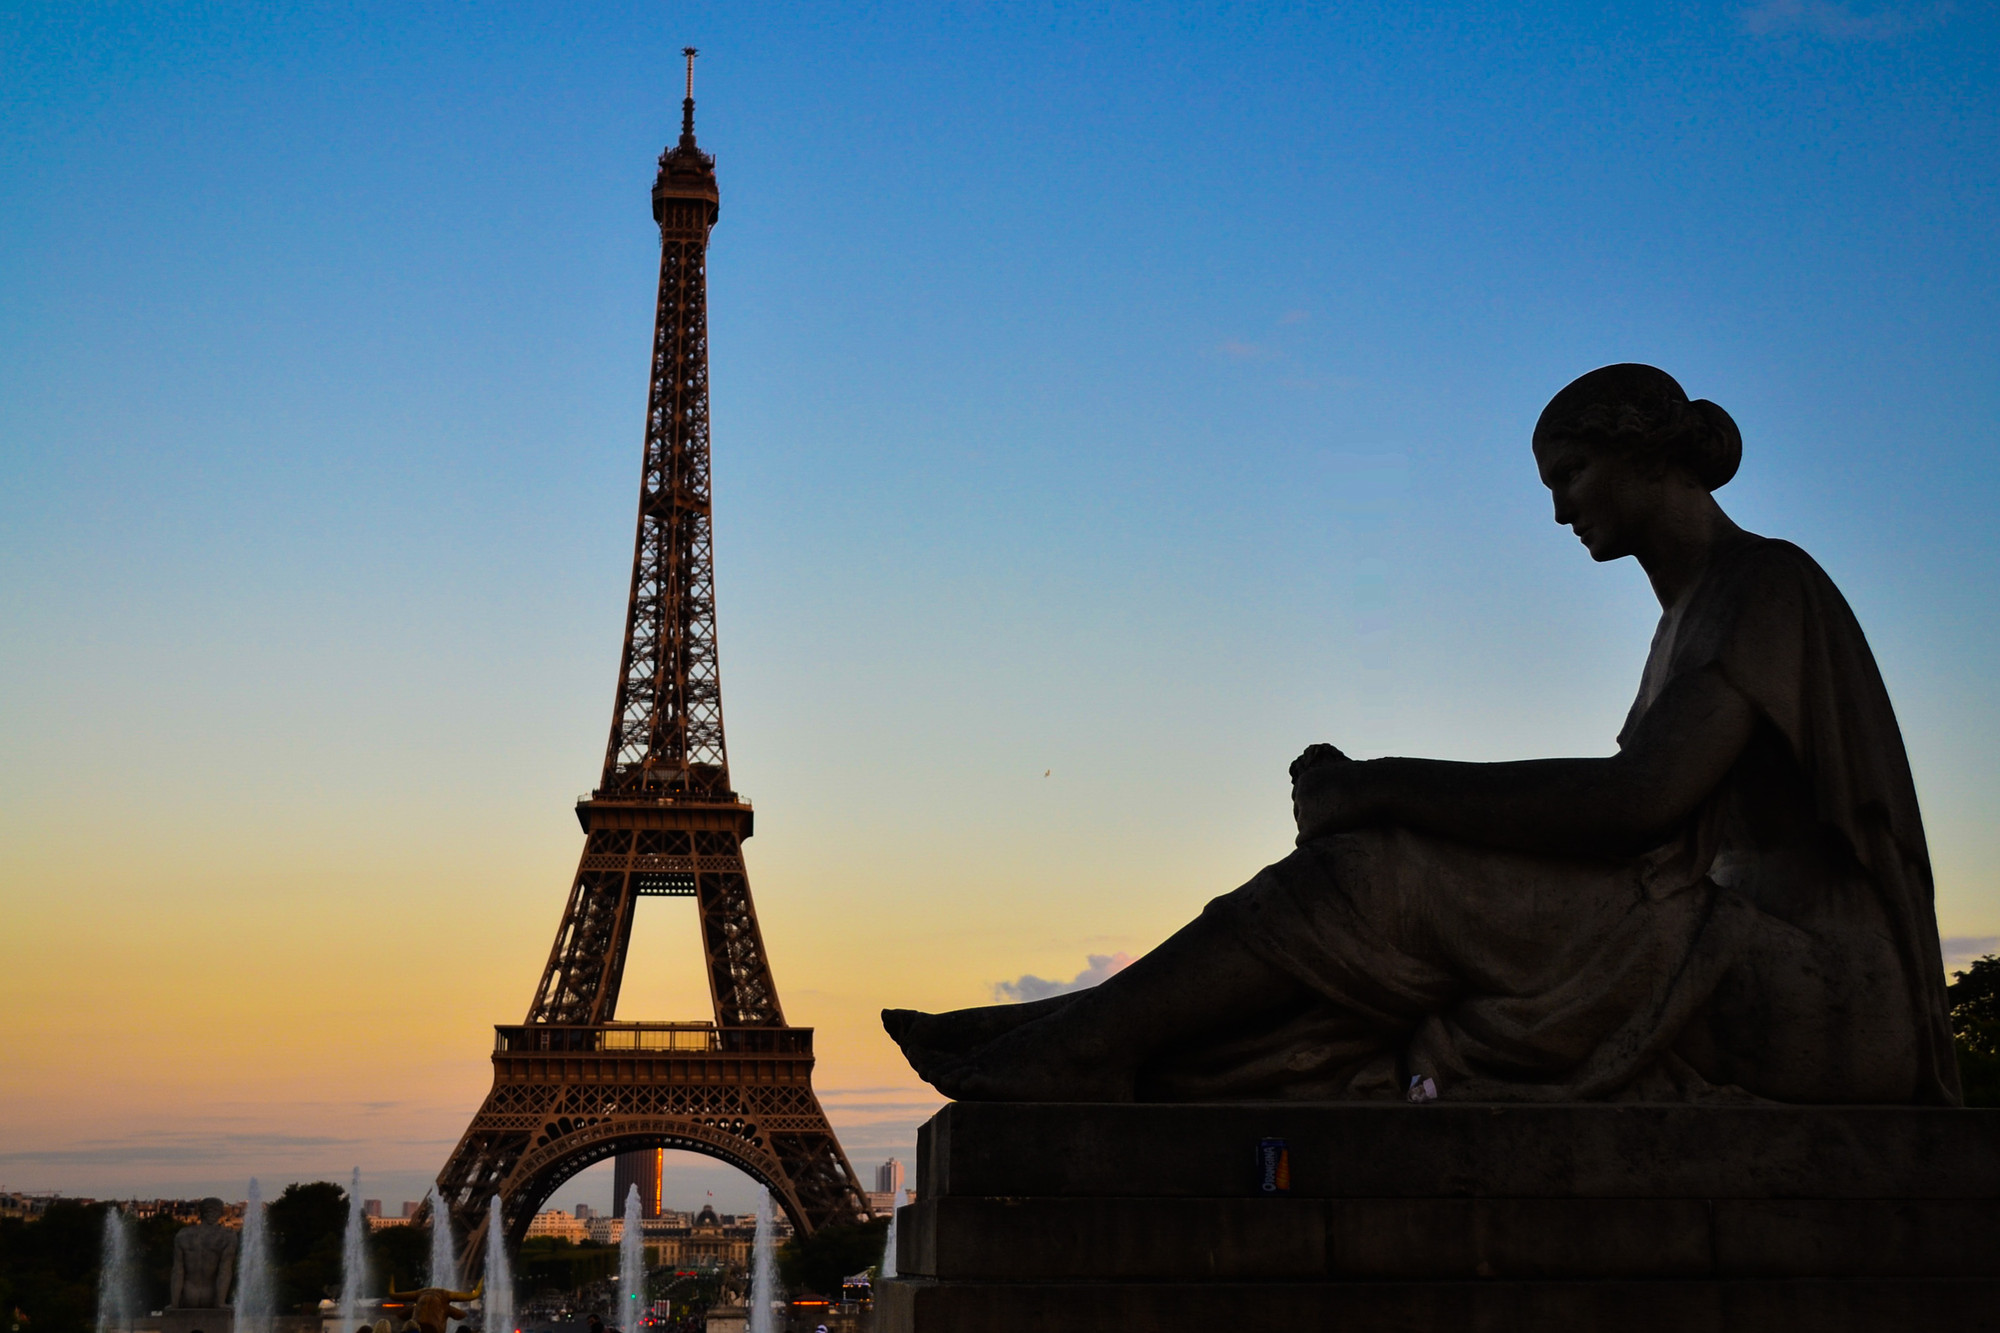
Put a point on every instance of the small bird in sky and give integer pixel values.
(1047, 771)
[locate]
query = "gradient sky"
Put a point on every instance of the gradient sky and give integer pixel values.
(1125, 394)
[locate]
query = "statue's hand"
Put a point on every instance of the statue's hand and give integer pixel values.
(1326, 791)
(1312, 757)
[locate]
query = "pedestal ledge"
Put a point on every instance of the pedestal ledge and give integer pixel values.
(1058, 1216)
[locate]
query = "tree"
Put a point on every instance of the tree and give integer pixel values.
(402, 1255)
(548, 1264)
(307, 1223)
(1974, 997)
(819, 1262)
(48, 1267)
(156, 1258)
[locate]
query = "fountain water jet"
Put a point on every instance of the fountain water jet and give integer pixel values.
(117, 1274)
(889, 1247)
(499, 1298)
(631, 1266)
(256, 1297)
(353, 1259)
(444, 1251)
(764, 1270)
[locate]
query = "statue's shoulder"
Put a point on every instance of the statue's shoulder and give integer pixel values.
(1765, 603)
(1753, 552)
(1762, 567)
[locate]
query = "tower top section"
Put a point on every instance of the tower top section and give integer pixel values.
(686, 173)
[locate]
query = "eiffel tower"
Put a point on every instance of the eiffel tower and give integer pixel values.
(573, 1085)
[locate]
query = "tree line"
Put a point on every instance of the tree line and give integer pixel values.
(49, 1264)
(1974, 997)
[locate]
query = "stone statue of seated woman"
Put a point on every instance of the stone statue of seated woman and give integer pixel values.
(1736, 905)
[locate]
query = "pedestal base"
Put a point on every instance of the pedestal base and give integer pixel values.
(1471, 1218)
(728, 1319)
(196, 1321)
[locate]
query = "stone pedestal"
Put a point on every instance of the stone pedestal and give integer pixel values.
(196, 1321)
(728, 1319)
(1450, 1217)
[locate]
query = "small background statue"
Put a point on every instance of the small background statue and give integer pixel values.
(204, 1262)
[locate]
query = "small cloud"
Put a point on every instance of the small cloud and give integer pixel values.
(1837, 21)
(1960, 950)
(1032, 987)
(1237, 350)
(1292, 317)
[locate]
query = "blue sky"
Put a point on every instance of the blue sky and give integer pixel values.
(1132, 394)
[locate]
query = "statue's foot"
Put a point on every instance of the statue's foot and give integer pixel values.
(929, 1064)
(1026, 1066)
(965, 1030)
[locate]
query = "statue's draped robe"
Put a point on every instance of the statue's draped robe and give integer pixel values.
(1782, 945)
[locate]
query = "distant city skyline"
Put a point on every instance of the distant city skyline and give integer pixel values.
(1106, 405)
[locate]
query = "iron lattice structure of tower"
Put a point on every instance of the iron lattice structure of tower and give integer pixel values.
(573, 1085)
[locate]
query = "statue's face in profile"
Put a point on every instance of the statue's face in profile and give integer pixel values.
(1602, 495)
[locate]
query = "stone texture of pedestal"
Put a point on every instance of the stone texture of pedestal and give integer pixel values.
(193, 1321)
(1445, 1216)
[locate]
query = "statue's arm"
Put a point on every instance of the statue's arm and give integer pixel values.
(1626, 803)
(225, 1273)
(178, 1278)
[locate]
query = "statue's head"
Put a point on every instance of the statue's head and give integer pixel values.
(1624, 442)
(211, 1210)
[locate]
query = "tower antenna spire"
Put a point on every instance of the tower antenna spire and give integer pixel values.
(687, 103)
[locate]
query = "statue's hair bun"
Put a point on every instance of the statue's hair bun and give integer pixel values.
(1644, 409)
(1714, 450)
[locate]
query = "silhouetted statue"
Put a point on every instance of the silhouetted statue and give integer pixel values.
(204, 1262)
(1738, 904)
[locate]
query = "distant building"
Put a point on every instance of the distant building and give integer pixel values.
(889, 1177)
(371, 1207)
(882, 1204)
(585, 1211)
(24, 1206)
(667, 1221)
(709, 1238)
(605, 1230)
(644, 1170)
(559, 1224)
(181, 1210)
(410, 1207)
